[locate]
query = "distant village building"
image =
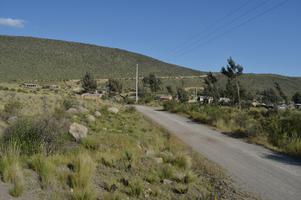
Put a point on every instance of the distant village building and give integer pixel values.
(90, 96)
(30, 85)
(165, 98)
(54, 87)
(224, 100)
(205, 99)
(282, 107)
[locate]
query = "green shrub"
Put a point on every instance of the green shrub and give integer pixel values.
(43, 167)
(135, 188)
(113, 196)
(13, 107)
(90, 143)
(69, 103)
(182, 161)
(35, 136)
(166, 172)
(11, 170)
(80, 180)
(294, 147)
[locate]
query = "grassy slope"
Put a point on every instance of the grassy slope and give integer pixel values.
(253, 82)
(109, 138)
(25, 58)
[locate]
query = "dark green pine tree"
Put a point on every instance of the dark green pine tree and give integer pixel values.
(232, 71)
(89, 84)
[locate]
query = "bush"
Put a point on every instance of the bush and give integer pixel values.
(12, 108)
(11, 170)
(35, 136)
(182, 161)
(69, 103)
(44, 169)
(136, 188)
(81, 178)
(166, 172)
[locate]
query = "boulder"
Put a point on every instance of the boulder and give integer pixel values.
(91, 118)
(159, 160)
(167, 181)
(78, 131)
(97, 114)
(113, 110)
(82, 109)
(12, 119)
(72, 111)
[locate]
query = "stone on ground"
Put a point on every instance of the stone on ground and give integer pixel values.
(72, 111)
(78, 131)
(91, 118)
(113, 110)
(12, 119)
(82, 109)
(97, 114)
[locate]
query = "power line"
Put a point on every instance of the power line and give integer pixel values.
(249, 11)
(237, 26)
(184, 43)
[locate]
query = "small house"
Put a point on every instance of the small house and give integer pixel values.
(165, 98)
(30, 85)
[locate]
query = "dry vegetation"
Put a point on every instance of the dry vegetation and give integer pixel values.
(123, 156)
(276, 129)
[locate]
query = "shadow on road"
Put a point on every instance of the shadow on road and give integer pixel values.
(284, 159)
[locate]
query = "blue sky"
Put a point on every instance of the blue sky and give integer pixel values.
(262, 35)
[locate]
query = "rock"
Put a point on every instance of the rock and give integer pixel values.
(167, 182)
(82, 109)
(149, 152)
(113, 110)
(159, 160)
(97, 114)
(91, 118)
(77, 90)
(78, 131)
(12, 119)
(72, 111)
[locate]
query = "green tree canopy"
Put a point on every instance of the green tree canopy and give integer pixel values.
(170, 90)
(296, 98)
(152, 82)
(183, 95)
(89, 84)
(233, 71)
(114, 86)
(211, 88)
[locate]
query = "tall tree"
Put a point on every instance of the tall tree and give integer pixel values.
(280, 92)
(152, 82)
(233, 71)
(211, 88)
(114, 86)
(89, 84)
(183, 95)
(296, 98)
(170, 90)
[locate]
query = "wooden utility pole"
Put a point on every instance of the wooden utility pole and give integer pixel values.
(137, 83)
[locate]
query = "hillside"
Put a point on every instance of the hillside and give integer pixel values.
(26, 58)
(253, 82)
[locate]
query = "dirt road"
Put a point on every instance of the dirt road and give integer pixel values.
(255, 169)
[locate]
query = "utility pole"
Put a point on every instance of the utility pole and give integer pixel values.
(137, 83)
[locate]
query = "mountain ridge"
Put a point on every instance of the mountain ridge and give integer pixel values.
(28, 58)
